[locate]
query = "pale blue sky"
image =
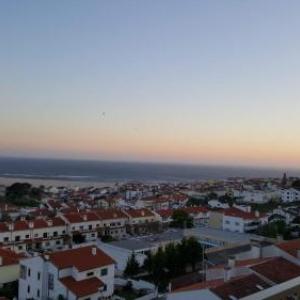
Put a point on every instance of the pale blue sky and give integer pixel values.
(187, 81)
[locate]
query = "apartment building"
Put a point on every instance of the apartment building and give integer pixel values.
(85, 273)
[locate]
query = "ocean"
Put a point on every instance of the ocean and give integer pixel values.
(104, 171)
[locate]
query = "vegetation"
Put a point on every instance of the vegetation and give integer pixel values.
(193, 201)
(296, 184)
(78, 238)
(9, 290)
(265, 207)
(107, 238)
(132, 267)
(23, 194)
(181, 219)
(275, 229)
(173, 261)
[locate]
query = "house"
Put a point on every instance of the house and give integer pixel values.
(113, 222)
(80, 273)
(142, 221)
(290, 195)
(237, 220)
(84, 223)
(9, 266)
(24, 235)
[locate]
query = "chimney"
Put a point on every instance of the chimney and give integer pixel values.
(11, 226)
(226, 273)
(50, 223)
(231, 262)
(94, 251)
(257, 214)
(279, 238)
(84, 217)
(31, 224)
(46, 256)
(22, 218)
(6, 207)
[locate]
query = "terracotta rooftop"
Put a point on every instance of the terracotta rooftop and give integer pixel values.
(109, 214)
(9, 257)
(241, 287)
(290, 247)
(84, 287)
(277, 270)
(81, 258)
(140, 213)
(235, 212)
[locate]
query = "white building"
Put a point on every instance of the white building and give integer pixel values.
(75, 274)
(290, 195)
(236, 220)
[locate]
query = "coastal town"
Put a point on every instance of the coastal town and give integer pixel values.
(237, 238)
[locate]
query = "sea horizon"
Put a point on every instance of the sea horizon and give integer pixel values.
(82, 170)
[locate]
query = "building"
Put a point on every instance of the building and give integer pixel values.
(9, 266)
(236, 220)
(37, 234)
(142, 221)
(290, 195)
(80, 273)
(113, 222)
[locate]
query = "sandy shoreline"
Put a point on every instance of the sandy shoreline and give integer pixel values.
(51, 182)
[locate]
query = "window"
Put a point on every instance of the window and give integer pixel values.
(50, 281)
(63, 231)
(227, 222)
(104, 272)
(29, 272)
(23, 271)
(38, 293)
(27, 236)
(6, 239)
(55, 233)
(93, 234)
(36, 235)
(38, 275)
(17, 238)
(28, 289)
(237, 223)
(57, 242)
(90, 227)
(20, 247)
(89, 274)
(45, 235)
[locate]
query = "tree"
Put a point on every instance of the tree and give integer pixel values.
(78, 238)
(296, 184)
(159, 270)
(181, 219)
(194, 252)
(132, 267)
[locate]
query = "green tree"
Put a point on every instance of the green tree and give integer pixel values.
(181, 219)
(132, 267)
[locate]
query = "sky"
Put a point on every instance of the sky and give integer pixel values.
(202, 82)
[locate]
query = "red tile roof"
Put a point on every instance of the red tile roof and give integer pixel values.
(84, 287)
(290, 247)
(277, 270)
(81, 258)
(21, 225)
(3, 227)
(235, 212)
(140, 213)
(109, 214)
(240, 287)
(9, 257)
